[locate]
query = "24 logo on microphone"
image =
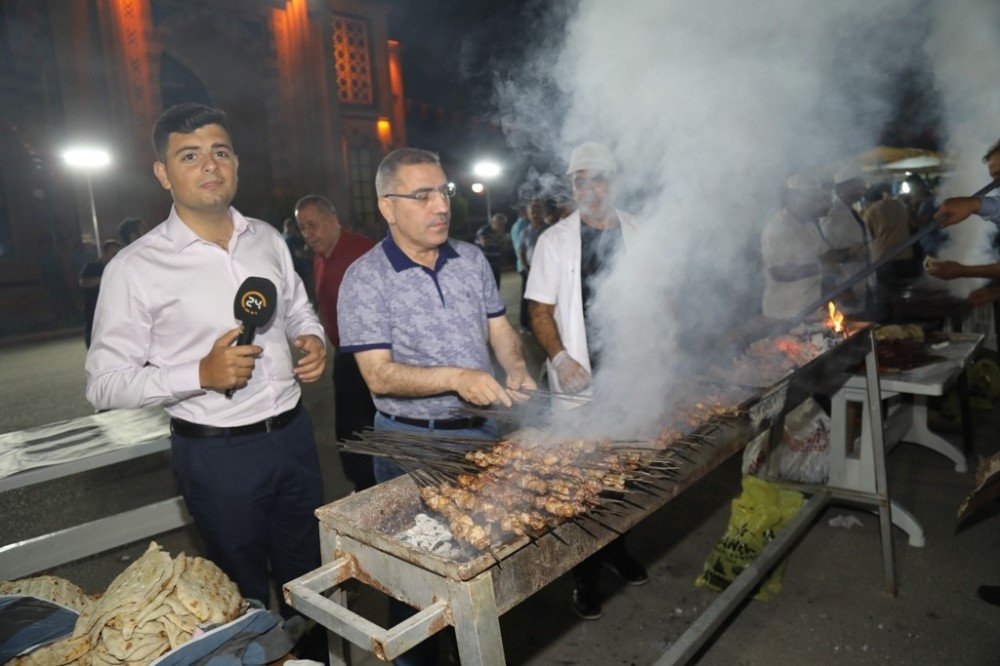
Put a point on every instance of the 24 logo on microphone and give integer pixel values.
(253, 302)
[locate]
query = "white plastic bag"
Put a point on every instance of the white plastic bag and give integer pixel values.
(803, 455)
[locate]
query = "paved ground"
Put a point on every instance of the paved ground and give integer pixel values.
(831, 610)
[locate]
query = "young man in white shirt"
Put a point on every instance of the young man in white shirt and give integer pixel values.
(163, 335)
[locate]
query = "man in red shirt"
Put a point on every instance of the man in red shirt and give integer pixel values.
(334, 249)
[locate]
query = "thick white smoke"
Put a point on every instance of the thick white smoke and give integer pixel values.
(708, 108)
(964, 48)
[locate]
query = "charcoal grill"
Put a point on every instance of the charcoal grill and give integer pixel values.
(359, 536)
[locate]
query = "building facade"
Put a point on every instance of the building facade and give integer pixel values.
(312, 89)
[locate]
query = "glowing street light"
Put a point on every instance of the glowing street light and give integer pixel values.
(487, 170)
(478, 188)
(88, 159)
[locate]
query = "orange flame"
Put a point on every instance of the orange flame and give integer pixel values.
(836, 320)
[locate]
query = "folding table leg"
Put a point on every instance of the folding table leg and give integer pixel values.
(876, 426)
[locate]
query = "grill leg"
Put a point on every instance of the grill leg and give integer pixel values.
(477, 622)
(338, 648)
(877, 428)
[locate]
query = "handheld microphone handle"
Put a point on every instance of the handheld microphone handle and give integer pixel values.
(246, 337)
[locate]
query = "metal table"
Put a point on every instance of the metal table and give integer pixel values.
(359, 541)
(905, 396)
(69, 447)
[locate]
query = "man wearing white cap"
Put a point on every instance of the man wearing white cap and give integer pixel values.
(568, 258)
(844, 230)
(793, 249)
(566, 255)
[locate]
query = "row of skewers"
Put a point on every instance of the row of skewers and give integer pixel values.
(532, 481)
(525, 486)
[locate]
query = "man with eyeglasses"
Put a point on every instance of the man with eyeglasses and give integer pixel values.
(568, 261)
(421, 313)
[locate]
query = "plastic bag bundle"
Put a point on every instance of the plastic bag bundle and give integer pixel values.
(804, 453)
(760, 512)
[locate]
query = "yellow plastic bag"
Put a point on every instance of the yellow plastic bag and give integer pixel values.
(758, 514)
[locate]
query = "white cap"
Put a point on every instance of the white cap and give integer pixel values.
(847, 172)
(805, 185)
(591, 156)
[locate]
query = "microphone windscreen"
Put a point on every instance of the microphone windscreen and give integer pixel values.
(255, 302)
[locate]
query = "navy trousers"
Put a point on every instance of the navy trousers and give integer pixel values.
(354, 413)
(252, 499)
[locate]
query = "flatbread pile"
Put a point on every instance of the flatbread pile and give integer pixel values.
(51, 588)
(150, 608)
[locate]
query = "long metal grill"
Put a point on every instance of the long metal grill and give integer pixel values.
(361, 535)
(497, 494)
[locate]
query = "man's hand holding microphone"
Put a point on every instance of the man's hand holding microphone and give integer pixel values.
(228, 367)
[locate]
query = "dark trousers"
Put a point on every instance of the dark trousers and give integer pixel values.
(425, 653)
(252, 499)
(890, 280)
(355, 411)
(587, 573)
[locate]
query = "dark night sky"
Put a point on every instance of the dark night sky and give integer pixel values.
(454, 50)
(452, 47)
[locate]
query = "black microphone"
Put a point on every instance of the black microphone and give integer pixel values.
(254, 307)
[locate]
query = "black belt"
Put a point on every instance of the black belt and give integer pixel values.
(466, 423)
(188, 429)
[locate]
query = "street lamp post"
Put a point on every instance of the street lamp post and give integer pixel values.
(486, 170)
(88, 160)
(479, 188)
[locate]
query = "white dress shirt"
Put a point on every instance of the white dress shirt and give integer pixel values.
(164, 301)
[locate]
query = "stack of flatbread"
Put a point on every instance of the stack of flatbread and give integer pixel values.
(150, 608)
(51, 588)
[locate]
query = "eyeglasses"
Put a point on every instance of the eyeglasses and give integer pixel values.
(447, 191)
